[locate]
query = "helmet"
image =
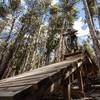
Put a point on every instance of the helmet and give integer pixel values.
(71, 30)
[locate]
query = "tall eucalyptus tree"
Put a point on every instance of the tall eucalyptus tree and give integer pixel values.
(92, 30)
(26, 41)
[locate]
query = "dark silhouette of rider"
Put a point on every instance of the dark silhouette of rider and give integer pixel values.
(71, 43)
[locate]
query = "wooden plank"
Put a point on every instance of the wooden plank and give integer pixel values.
(10, 93)
(42, 69)
(6, 98)
(44, 72)
(73, 54)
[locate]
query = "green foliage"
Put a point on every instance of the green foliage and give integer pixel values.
(74, 11)
(14, 4)
(3, 10)
(52, 43)
(55, 24)
(53, 10)
(87, 47)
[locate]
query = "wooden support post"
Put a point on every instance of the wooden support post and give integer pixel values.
(72, 77)
(66, 88)
(65, 91)
(80, 79)
(69, 89)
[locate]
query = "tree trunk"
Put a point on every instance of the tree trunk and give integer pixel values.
(60, 49)
(9, 55)
(92, 30)
(47, 59)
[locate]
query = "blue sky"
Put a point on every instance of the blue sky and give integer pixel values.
(79, 23)
(79, 6)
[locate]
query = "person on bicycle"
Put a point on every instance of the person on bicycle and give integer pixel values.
(71, 40)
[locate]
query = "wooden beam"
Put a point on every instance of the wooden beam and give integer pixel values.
(69, 89)
(80, 80)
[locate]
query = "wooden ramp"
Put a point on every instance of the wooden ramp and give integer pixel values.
(42, 83)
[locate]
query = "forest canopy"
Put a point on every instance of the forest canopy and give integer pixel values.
(31, 32)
